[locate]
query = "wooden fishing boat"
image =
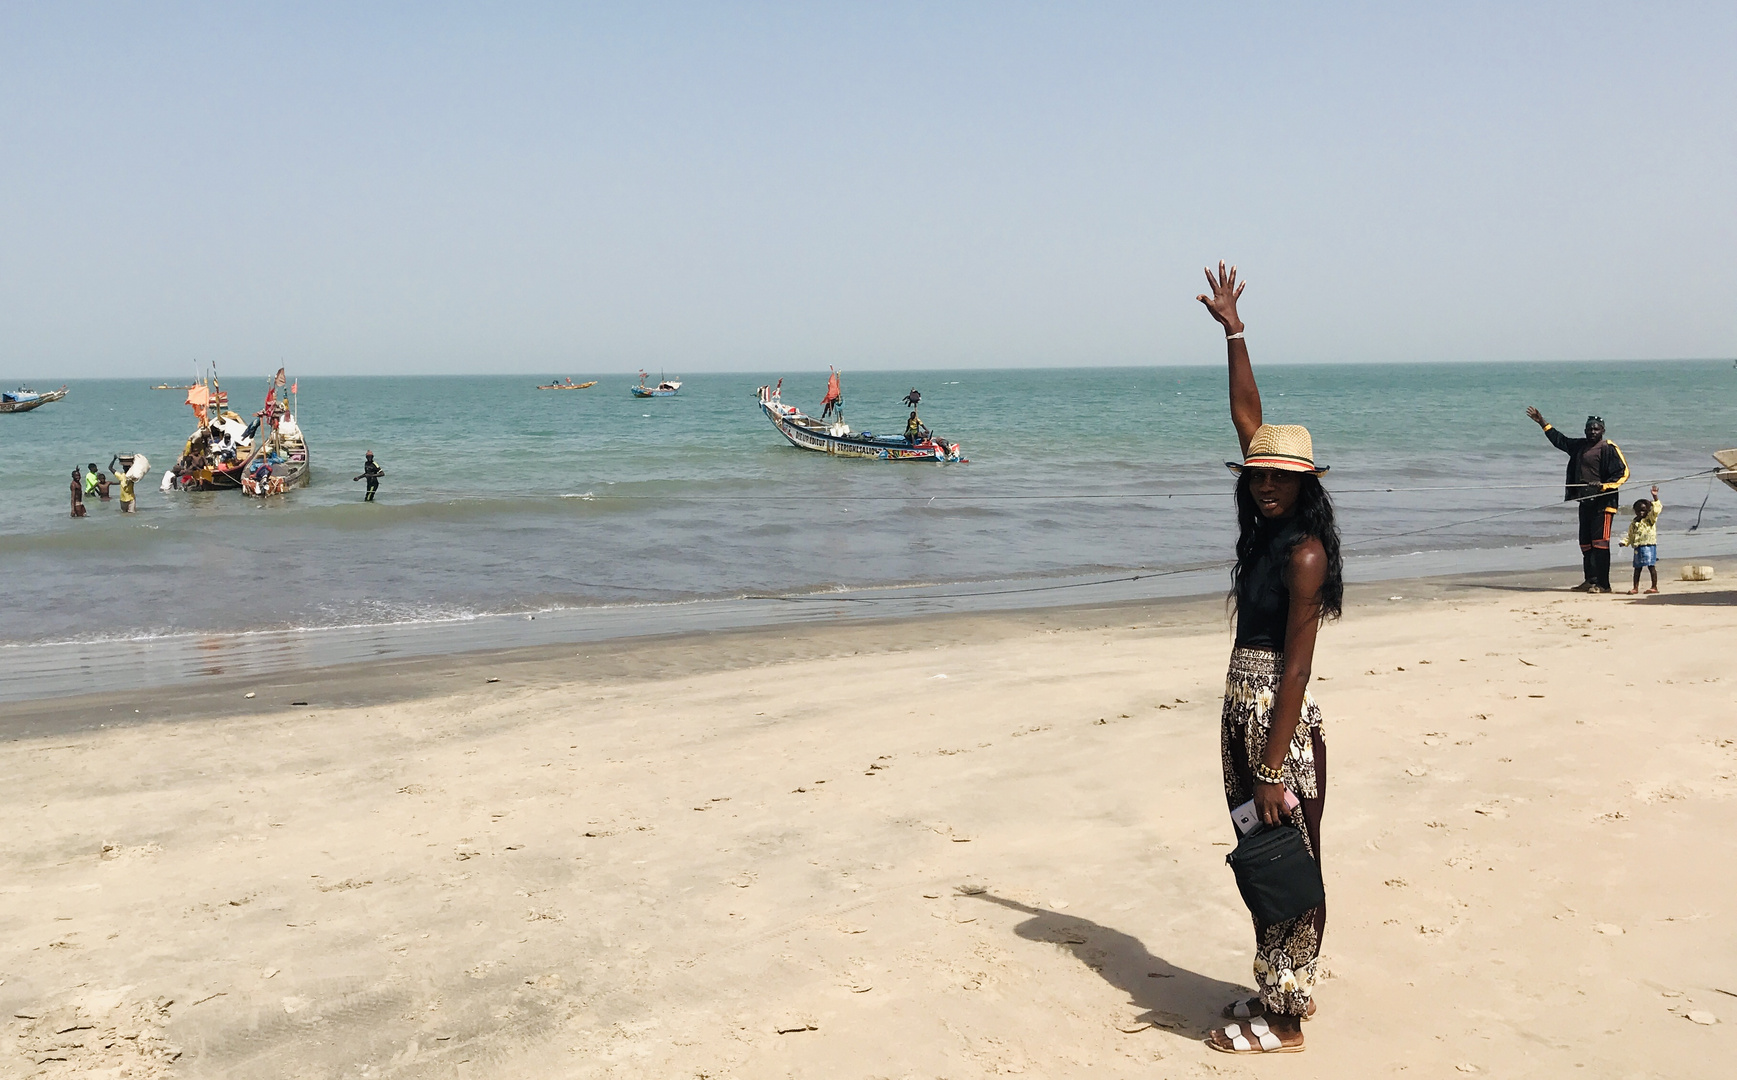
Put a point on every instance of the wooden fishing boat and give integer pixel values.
(665, 388)
(169, 386)
(23, 400)
(265, 457)
(1727, 460)
(569, 385)
(282, 462)
(836, 438)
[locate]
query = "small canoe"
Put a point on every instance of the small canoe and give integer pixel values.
(569, 385)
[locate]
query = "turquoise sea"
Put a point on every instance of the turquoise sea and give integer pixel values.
(500, 498)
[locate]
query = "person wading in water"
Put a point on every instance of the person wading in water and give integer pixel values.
(371, 473)
(1596, 472)
(1288, 579)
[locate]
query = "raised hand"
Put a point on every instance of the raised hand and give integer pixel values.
(1226, 290)
(1535, 416)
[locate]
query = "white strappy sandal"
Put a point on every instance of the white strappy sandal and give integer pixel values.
(1264, 1041)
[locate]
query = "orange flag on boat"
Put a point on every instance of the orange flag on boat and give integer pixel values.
(833, 393)
(198, 397)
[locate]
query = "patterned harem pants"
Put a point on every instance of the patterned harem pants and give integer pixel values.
(1285, 953)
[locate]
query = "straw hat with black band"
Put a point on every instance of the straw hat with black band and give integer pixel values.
(1285, 447)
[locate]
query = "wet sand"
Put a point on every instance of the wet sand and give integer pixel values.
(960, 846)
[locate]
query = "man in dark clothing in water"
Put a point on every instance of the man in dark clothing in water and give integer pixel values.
(372, 473)
(1596, 472)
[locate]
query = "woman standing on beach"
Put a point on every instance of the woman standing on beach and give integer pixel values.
(1287, 581)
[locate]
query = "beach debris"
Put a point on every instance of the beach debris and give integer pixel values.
(851, 928)
(1396, 883)
(972, 889)
(1609, 929)
(1525, 661)
(1466, 1068)
(248, 694)
(790, 1025)
(1396, 598)
(860, 988)
(1697, 573)
(268, 973)
(931, 896)
(1700, 1016)
(1416, 770)
(937, 676)
(1058, 905)
(293, 703)
(1129, 1027)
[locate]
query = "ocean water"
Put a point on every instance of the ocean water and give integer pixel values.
(502, 499)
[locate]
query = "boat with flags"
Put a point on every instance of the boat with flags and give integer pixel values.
(568, 385)
(265, 457)
(664, 388)
(24, 399)
(829, 434)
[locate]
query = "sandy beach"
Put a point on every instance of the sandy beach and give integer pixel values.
(962, 847)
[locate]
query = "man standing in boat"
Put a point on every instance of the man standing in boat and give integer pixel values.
(1596, 472)
(834, 399)
(371, 473)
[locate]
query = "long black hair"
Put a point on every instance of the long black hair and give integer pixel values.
(1312, 516)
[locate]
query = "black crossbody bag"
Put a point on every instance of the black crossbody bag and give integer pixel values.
(1278, 878)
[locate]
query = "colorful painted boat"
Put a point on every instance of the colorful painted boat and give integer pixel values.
(266, 457)
(836, 438)
(569, 385)
(23, 400)
(665, 388)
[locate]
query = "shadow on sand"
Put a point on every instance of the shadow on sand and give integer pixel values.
(1169, 997)
(1725, 598)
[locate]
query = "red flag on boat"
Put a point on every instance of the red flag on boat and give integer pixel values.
(833, 394)
(278, 381)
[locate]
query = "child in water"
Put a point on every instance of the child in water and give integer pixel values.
(77, 495)
(1643, 536)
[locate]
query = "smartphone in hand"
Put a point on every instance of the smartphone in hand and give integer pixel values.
(1246, 818)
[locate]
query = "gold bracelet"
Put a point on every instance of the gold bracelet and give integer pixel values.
(1268, 775)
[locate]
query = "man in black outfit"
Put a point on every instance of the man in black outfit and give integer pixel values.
(372, 472)
(1596, 473)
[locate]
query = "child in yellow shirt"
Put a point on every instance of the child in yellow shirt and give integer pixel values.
(1643, 536)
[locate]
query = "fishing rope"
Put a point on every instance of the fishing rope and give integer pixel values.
(1703, 508)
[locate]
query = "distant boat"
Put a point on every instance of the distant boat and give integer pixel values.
(807, 433)
(569, 385)
(23, 400)
(666, 388)
(167, 386)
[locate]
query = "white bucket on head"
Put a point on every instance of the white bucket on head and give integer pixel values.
(1697, 573)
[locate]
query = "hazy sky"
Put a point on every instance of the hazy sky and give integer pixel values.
(425, 188)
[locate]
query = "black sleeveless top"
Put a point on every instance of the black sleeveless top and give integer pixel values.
(1263, 603)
